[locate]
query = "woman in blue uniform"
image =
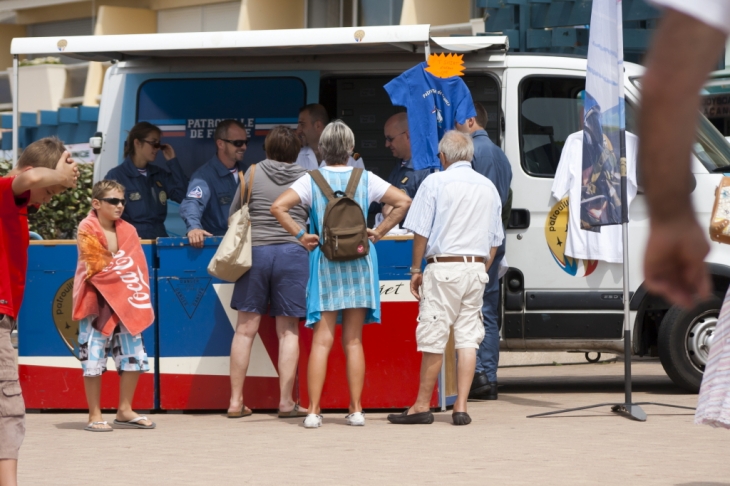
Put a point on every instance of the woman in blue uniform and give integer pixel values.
(148, 187)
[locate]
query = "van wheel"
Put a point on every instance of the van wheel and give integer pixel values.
(684, 342)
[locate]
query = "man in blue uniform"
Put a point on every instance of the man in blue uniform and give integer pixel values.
(398, 140)
(491, 162)
(212, 187)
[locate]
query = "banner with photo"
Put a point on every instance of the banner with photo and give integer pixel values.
(604, 121)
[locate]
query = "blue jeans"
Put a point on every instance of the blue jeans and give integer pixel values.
(488, 353)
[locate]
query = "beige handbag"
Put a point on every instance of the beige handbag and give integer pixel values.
(233, 257)
(720, 219)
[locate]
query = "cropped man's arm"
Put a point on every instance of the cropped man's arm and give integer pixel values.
(683, 52)
(419, 250)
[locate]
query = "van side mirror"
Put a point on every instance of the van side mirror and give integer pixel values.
(95, 143)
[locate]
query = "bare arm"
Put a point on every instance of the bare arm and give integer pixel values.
(400, 202)
(65, 174)
(492, 252)
(683, 52)
(280, 210)
(419, 249)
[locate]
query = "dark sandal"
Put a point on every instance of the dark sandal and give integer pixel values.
(294, 412)
(461, 418)
(244, 412)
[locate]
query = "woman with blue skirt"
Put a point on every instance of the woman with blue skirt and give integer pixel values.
(339, 292)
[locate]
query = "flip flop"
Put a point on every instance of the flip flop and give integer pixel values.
(244, 412)
(91, 427)
(294, 412)
(134, 423)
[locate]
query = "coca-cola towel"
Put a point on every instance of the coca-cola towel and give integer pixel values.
(111, 288)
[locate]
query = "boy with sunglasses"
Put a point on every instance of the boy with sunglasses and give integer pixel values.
(112, 303)
(43, 170)
(212, 187)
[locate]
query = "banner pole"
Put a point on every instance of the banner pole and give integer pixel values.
(16, 110)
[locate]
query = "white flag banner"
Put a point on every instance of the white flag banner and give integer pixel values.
(604, 122)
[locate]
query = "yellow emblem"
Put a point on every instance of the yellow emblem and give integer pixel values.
(556, 234)
(446, 66)
(405, 179)
(163, 197)
(62, 310)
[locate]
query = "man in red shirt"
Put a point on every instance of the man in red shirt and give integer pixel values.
(43, 170)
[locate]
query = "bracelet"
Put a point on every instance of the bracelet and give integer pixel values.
(415, 270)
(300, 234)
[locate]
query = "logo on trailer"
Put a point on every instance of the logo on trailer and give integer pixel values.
(62, 311)
(556, 234)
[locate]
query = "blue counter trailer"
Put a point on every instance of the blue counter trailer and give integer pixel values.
(533, 99)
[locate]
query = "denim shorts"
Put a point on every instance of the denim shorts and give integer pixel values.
(278, 276)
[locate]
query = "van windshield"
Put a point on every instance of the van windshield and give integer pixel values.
(711, 148)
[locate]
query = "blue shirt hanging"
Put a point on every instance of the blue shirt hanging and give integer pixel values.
(433, 105)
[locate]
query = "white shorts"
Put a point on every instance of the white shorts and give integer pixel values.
(451, 295)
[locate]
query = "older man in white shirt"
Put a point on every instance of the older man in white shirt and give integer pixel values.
(456, 218)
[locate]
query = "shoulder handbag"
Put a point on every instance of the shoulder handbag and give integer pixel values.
(720, 219)
(233, 257)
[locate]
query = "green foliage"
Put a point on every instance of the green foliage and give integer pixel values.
(59, 219)
(40, 60)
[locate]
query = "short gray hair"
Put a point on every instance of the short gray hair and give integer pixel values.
(456, 146)
(336, 143)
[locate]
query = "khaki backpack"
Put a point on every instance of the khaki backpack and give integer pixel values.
(344, 231)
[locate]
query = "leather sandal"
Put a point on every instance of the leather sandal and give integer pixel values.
(294, 412)
(244, 412)
(461, 418)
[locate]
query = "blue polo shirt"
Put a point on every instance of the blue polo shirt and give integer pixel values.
(147, 195)
(208, 200)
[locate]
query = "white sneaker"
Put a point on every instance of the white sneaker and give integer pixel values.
(356, 418)
(312, 421)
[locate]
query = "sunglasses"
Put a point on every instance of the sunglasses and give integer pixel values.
(114, 201)
(154, 144)
(236, 143)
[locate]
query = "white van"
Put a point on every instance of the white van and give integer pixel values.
(186, 82)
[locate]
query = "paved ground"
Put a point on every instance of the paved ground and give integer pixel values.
(501, 446)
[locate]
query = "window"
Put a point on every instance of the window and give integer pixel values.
(551, 108)
(218, 17)
(345, 13)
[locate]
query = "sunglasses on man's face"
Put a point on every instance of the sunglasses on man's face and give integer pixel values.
(236, 143)
(114, 201)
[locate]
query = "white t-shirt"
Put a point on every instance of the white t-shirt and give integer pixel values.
(715, 13)
(308, 160)
(588, 245)
(376, 186)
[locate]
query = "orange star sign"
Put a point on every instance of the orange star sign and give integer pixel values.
(446, 65)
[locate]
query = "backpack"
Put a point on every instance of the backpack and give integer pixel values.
(344, 230)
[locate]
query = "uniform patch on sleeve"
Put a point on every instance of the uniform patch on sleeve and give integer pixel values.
(196, 192)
